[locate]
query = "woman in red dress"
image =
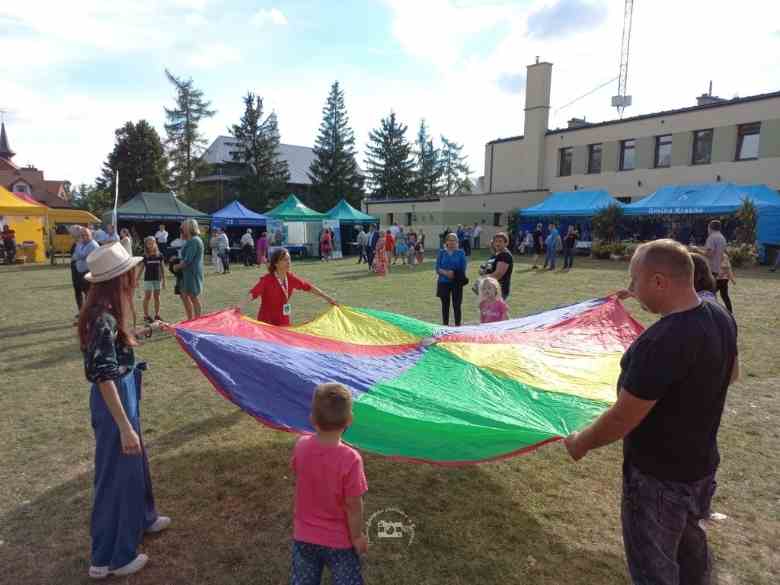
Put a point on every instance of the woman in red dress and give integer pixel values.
(326, 245)
(276, 288)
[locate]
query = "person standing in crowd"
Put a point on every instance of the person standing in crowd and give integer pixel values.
(123, 506)
(467, 239)
(126, 240)
(84, 247)
(476, 232)
(389, 249)
(451, 267)
(501, 264)
(569, 243)
(552, 242)
(725, 276)
(262, 248)
(99, 235)
(703, 282)
(111, 235)
(362, 245)
(216, 261)
(326, 245)
(248, 247)
(411, 246)
(671, 393)
(9, 244)
(161, 236)
(777, 263)
(714, 250)
(373, 238)
(419, 248)
(401, 247)
(538, 245)
(223, 249)
(276, 288)
(329, 488)
(191, 269)
(492, 307)
(154, 277)
(381, 259)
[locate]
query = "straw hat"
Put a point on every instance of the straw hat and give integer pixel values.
(110, 261)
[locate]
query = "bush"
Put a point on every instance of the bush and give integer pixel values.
(601, 250)
(742, 255)
(607, 222)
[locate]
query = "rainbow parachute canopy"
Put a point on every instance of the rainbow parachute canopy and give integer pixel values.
(423, 392)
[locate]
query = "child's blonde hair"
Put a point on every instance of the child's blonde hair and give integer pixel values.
(331, 406)
(489, 282)
(155, 249)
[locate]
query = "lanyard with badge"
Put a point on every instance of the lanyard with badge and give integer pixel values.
(286, 308)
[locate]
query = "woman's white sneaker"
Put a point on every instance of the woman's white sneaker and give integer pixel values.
(98, 572)
(133, 566)
(160, 524)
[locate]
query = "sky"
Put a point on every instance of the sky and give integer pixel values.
(72, 72)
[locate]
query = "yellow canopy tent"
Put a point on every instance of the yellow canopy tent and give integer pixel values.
(28, 220)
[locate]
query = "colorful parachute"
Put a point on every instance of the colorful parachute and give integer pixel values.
(424, 392)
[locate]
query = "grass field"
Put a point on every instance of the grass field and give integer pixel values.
(535, 519)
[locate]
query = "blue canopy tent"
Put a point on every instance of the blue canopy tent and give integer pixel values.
(715, 199)
(566, 208)
(236, 215)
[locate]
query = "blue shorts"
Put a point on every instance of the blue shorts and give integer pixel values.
(308, 561)
(151, 285)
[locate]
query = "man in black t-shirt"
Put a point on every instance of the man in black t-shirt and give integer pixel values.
(500, 264)
(569, 241)
(671, 393)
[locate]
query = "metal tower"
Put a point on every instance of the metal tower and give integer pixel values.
(622, 100)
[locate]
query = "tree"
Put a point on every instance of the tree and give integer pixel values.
(93, 199)
(607, 222)
(184, 142)
(139, 157)
(258, 140)
(747, 222)
(454, 170)
(334, 172)
(428, 170)
(389, 165)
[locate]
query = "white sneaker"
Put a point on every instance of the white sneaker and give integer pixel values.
(160, 524)
(98, 572)
(133, 566)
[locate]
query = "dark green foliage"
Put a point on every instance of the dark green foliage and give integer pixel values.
(258, 139)
(389, 163)
(185, 143)
(454, 170)
(139, 157)
(428, 172)
(334, 172)
(607, 222)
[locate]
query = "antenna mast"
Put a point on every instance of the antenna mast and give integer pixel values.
(622, 100)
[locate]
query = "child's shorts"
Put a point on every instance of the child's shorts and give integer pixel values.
(308, 561)
(151, 285)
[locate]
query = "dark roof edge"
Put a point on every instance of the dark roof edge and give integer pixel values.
(432, 200)
(725, 103)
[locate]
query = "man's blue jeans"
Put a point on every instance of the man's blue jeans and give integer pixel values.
(663, 540)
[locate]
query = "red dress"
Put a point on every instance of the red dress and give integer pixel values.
(274, 297)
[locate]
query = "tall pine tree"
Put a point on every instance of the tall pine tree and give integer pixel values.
(185, 142)
(454, 170)
(334, 172)
(428, 170)
(139, 157)
(258, 140)
(389, 164)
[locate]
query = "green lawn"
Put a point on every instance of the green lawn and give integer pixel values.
(535, 519)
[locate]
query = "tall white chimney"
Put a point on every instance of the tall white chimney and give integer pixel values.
(537, 117)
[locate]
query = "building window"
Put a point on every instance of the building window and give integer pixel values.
(390, 219)
(748, 136)
(20, 188)
(408, 218)
(663, 151)
(702, 147)
(497, 219)
(564, 166)
(627, 154)
(594, 159)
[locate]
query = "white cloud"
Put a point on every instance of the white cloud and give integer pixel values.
(214, 55)
(195, 20)
(269, 16)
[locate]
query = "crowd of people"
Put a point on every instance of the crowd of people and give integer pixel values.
(671, 389)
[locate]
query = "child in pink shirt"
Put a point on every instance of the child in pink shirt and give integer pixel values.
(492, 307)
(330, 483)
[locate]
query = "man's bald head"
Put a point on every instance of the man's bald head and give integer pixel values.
(666, 257)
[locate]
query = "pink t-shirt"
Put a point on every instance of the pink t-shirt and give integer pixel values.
(492, 312)
(325, 476)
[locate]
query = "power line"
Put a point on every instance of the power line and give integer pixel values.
(592, 91)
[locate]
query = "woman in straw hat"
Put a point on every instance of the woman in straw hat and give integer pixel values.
(191, 268)
(123, 507)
